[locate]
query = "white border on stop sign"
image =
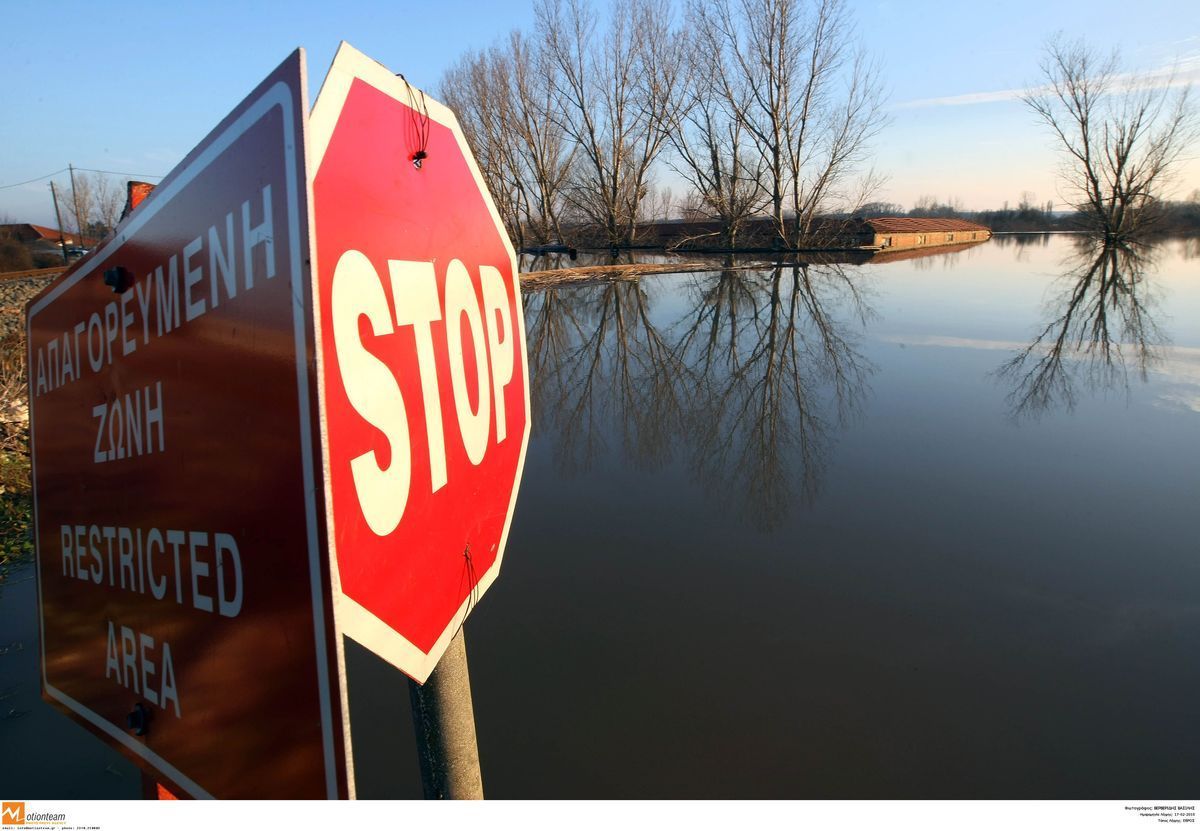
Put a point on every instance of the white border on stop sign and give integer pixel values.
(350, 618)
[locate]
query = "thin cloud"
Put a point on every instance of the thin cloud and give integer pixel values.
(961, 100)
(1180, 365)
(1181, 73)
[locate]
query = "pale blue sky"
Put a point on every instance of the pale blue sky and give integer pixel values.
(132, 86)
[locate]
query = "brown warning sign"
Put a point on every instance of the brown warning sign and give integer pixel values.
(181, 547)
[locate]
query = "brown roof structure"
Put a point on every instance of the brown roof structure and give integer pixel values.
(920, 224)
(47, 233)
(28, 232)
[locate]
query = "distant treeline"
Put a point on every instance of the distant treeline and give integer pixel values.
(766, 111)
(1180, 217)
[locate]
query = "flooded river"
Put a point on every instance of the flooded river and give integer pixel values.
(909, 529)
(824, 533)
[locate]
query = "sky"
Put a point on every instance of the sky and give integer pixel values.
(131, 86)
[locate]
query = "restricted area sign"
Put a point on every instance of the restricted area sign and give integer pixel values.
(424, 381)
(182, 568)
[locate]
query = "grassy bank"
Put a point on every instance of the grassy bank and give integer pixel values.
(16, 507)
(16, 503)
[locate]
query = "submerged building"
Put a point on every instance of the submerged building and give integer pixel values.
(827, 234)
(886, 232)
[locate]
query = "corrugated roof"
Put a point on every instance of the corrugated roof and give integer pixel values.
(920, 224)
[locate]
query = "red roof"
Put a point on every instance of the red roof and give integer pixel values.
(27, 232)
(47, 233)
(920, 224)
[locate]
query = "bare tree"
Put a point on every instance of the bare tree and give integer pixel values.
(108, 197)
(810, 100)
(1122, 137)
(476, 88)
(615, 92)
(603, 370)
(503, 99)
(95, 206)
(546, 154)
(928, 205)
(774, 372)
(869, 209)
(77, 206)
(1102, 326)
(657, 204)
(747, 388)
(713, 151)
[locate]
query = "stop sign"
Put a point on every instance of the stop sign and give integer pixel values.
(422, 371)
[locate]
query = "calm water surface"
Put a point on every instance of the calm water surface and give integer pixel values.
(800, 533)
(917, 529)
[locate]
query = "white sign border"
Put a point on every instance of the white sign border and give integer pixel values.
(278, 95)
(351, 618)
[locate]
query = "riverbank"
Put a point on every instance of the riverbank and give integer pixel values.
(550, 278)
(16, 546)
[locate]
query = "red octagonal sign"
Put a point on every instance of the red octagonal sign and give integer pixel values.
(421, 363)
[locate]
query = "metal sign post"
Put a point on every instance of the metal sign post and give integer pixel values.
(444, 723)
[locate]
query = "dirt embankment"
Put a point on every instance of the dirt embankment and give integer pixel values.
(15, 543)
(14, 409)
(535, 280)
(14, 294)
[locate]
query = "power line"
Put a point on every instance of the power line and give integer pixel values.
(31, 181)
(122, 173)
(89, 170)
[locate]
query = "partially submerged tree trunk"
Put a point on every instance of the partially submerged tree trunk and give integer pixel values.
(789, 75)
(503, 100)
(1121, 137)
(615, 99)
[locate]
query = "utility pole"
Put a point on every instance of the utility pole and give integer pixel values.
(78, 215)
(62, 243)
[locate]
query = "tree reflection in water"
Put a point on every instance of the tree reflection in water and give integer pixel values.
(1101, 328)
(597, 359)
(746, 387)
(1189, 248)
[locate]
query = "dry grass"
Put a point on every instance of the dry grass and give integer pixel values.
(14, 403)
(604, 273)
(15, 497)
(26, 273)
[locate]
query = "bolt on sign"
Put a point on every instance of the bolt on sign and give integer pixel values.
(238, 458)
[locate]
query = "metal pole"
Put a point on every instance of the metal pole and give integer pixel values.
(78, 215)
(444, 722)
(62, 243)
